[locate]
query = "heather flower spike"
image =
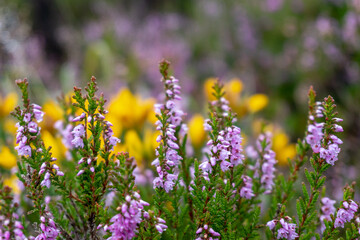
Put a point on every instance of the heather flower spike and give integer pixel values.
(169, 124)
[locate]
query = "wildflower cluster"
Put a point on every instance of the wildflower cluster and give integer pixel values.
(345, 214)
(124, 224)
(225, 142)
(10, 225)
(327, 146)
(218, 192)
(28, 128)
(286, 230)
(265, 164)
(169, 124)
(246, 191)
(49, 230)
(327, 209)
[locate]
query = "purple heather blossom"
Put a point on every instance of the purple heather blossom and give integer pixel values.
(206, 230)
(227, 146)
(331, 154)
(167, 178)
(286, 231)
(66, 133)
(315, 138)
(124, 224)
(48, 228)
(326, 209)
(79, 118)
(271, 224)
(46, 182)
(33, 127)
(109, 135)
(23, 150)
(42, 168)
(79, 133)
(246, 191)
(16, 228)
(268, 169)
(345, 214)
(29, 127)
(27, 117)
(267, 164)
(38, 114)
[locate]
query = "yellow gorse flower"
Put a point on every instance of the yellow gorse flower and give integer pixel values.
(134, 146)
(140, 148)
(196, 131)
(7, 158)
(150, 143)
(7, 104)
(53, 112)
(209, 83)
(57, 148)
(257, 102)
(9, 125)
(233, 90)
(282, 147)
(128, 110)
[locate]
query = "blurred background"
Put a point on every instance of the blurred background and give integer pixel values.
(268, 52)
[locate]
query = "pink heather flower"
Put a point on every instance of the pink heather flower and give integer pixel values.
(207, 126)
(124, 224)
(80, 172)
(338, 128)
(345, 214)
(79, 131)
(206, 230)
(79, 118)
(46, 182)
(271, 224)
(48, 228)
(315, 136)
(268, 164)
(327, 209)
(287, 230)
(246, 191)
(78, 142)
(16, 229)
(109, 135)
(42, 168)
(33, 127)
(331, 154)
(315, 139)
(27, 117)
(171, 156)
(65, 133)
(24, 150)
(38, 115)
(228, 147)
(268, 169)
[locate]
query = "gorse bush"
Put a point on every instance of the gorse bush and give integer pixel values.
(229, 193)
